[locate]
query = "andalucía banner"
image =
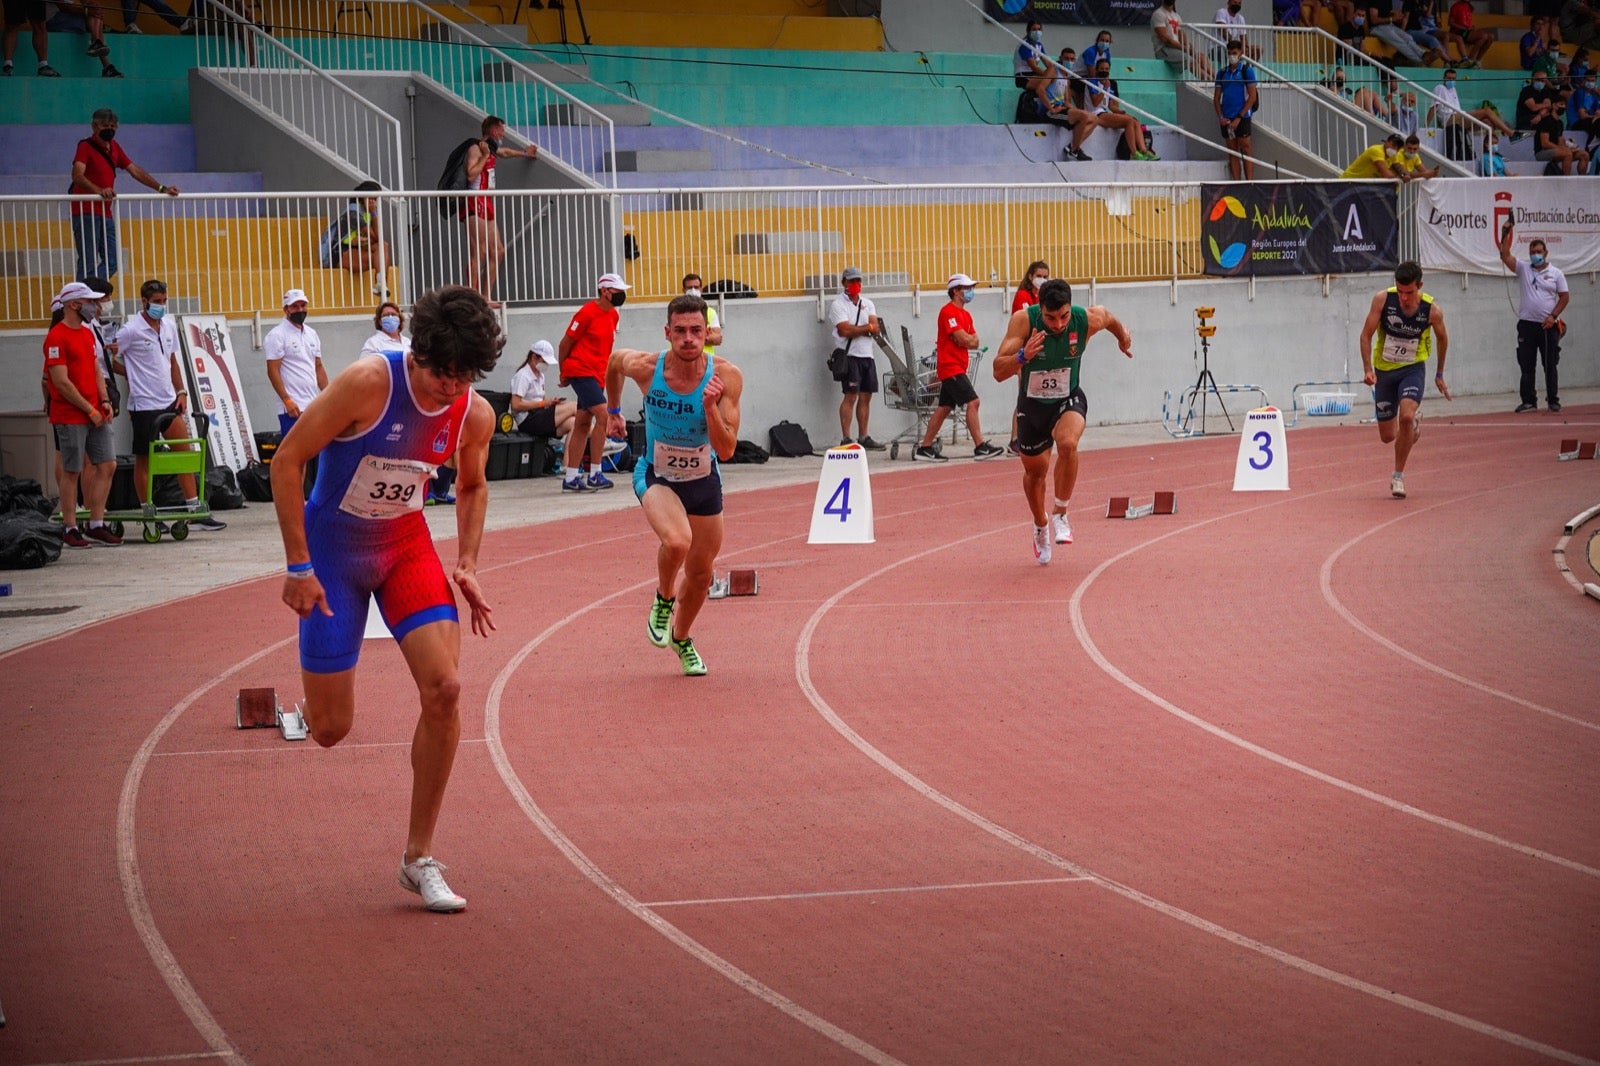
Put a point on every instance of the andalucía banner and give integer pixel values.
(1265, 228)
(1459, 220)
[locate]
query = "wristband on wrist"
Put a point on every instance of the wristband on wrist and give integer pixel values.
(613, 410)
(299, 569)
(1021, 358)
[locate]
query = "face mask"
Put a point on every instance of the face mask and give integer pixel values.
(494, 145)
(1538, 85)
(1409, 157)
(691, 292)
(156, 311)
(966, 295)
(1390, 152)
(297, 317)
(1035, 36)
(1450, 82)
(107, 135)
(1537, 259)
(88, 312)
(852, 288)
(1039, 281)
(618, 298)
(1233, 9)
(1233, 60)
(389, 323)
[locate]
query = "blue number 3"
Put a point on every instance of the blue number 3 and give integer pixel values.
(1264, 442)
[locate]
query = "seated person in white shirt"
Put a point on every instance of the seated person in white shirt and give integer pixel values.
(538, 415)
(1449, 107)
(390, 336)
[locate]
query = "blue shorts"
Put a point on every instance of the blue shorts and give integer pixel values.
(357, 560)
(1395, 385)
(591, 392)
(701, 497)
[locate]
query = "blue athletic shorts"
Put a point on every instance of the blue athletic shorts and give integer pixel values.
(701, 497)
(591, 392)
(1395, 385)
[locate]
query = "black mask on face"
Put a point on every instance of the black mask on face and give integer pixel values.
(297, 317)
(107, 135)
(618, 298)
(494, 145)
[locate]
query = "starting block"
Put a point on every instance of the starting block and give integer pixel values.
(1574, 449)
(1162, 503)
(258, 708)
(734, 583)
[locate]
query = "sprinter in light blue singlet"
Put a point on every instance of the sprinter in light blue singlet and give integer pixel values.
(691, 420)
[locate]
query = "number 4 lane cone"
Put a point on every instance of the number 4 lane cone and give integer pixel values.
(842, 513)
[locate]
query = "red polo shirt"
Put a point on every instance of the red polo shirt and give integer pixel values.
(73, 349)
(953, 358)
(593, 332)
(100, 170)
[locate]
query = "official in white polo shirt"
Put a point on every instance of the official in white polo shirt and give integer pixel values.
(147, 355)
(294, 360)
(1539, 328)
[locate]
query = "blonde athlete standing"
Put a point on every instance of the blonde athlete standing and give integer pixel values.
(1043, 346)
(691, 419)
(1395, 342)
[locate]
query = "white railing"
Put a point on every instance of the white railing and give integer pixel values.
(236, 253)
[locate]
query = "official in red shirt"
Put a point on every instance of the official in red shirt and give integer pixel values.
(80, 415)
(94, 173)
(957, 338)
(584, 354)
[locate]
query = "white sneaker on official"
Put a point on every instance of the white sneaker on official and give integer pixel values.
(1041, 544)
(425, 877)
(1062, 530)
(1397, 487)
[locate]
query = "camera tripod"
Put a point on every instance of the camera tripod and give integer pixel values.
(1205, 386)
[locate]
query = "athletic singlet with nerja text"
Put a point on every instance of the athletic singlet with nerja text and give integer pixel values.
(382, 473)
(677, 443)
(1402, 339)
(1052, 375)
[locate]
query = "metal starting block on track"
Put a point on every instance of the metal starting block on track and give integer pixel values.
(258, 708)
(1163, 503)
(1575, 449)
(735, 583)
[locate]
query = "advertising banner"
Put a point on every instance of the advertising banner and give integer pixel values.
(1072, 12)
(1459, 221)
(208, 350)
(1297, 228)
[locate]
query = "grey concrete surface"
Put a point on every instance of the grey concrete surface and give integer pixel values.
(87, 586)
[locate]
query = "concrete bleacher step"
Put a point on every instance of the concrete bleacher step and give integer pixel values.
(555, 73)
(34, 147)
(30, 99)
(620, 114)
(729, 28)
(658, 160)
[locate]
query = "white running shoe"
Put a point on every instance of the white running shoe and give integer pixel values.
(1062, 529)
(1397, 487)
(1041, 544)
(425, 877)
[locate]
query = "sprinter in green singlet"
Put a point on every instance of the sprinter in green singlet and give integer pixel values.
(1043, 346)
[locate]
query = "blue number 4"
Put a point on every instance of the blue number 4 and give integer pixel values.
(1264, 442)
(839, 502)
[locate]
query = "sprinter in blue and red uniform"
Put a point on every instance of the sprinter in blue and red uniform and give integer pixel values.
(381, 429)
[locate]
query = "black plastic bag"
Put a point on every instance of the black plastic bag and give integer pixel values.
(23, 494)
(222, 491)
(255, 482)
(29, 540)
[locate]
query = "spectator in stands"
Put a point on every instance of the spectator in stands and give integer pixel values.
(147, 355)
(1171, 43)
(1067, 86)
(1231, 16)
(1377, 161)
(1535, 103)
(33, 13)
(585, 353)
(1580, 23)
(1352, 27)
(80, 416)
(1101, 49)
(294, 360)
(1405, 114)
(1100, 100)
(94, 173)
(389, 334)
(1386, 21)
(1491, 164)
(485, 249)
(537, 414)
(1061, 106)
(693, 286)
(1235, 99)
(1334, 83)
(952, 351)
(1377, 102)
(354, 241)
(1422, 25)
(1583, 112)
(1472, 43)
(855, 323)
(1027, 293)
(1448, 110)
(130, 14)
(83, 16)
(1551, 145)
(1409, 164)
(1032, 69)
(229, 19)
(1534, 47)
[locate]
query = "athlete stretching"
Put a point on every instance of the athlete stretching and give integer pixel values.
(691, 410)
(1043, 346)
(382, 428)
(1405, 321)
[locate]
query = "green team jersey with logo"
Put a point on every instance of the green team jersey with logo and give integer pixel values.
(1402, 339)
(1052, 375)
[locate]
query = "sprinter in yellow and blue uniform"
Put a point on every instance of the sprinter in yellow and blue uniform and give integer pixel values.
(1403, 328)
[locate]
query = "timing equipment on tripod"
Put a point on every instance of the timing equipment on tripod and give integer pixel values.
(1205, 385)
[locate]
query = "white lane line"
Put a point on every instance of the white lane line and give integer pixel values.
(802, 661)
(867, 892)
(1325, 580)
(180, 1057)
(284, 748)
(133, 893)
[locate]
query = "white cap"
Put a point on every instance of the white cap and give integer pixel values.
(73, 290)
(294, 296)
(612, 281)
(542, 349)
(959, 281)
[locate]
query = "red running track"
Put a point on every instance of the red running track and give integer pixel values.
(1308, 776)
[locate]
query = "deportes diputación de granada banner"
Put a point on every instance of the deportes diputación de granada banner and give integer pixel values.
(1459, 220)
(1264, 228)
(1072, 12)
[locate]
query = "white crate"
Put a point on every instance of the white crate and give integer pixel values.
(1328, 403)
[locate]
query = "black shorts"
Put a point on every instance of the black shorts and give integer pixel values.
(540, 422)
(701, 497)
(591, 392)
(1242, 131)
(1036, 420)
(860, 375)
(19, 12)
(146, 427)
(956, 391)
